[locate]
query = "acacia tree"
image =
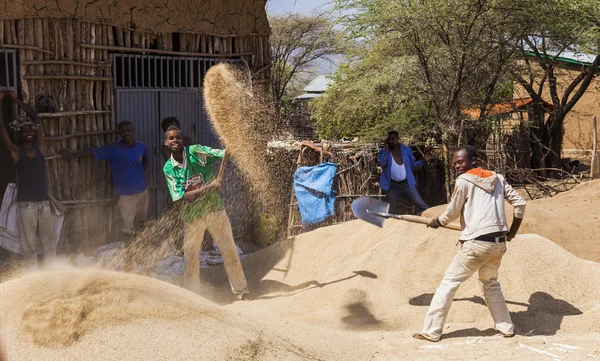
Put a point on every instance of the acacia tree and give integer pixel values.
(461, 49)
(559, 29)
(467, 51)
(297, 41)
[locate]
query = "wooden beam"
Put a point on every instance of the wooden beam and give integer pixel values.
(72, 113)
(66, 62)
(80, 134)
(25, 47)
(67, 77)
(89, 201)
(165, 52)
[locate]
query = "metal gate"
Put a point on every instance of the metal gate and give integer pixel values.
(151, 88)
(8, 76)
(8, 69)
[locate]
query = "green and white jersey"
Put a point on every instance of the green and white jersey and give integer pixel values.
(195, 171)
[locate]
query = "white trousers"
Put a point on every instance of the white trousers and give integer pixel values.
(473, 256)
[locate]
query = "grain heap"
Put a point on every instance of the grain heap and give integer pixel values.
(353, 291)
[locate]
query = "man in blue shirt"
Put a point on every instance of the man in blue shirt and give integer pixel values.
(128, 163)
(397, 179)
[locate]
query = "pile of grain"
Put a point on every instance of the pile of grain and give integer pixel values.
(350, 291)
(102, 315)
(357, 276)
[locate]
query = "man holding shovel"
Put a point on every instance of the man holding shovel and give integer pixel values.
(193, 187)
(478, 199)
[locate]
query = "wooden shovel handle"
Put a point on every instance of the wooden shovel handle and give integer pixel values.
(425, 220)
(226, 157)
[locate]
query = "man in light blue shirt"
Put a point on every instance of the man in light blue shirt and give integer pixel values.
(397, 179)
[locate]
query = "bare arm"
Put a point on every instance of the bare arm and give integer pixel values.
(12, 147)
(39, 134)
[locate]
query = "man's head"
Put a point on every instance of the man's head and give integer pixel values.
(27, 133)
(465, 159)
(25, 128)
(174, 139)
(392, 139)
(126, 131)
(169, 122)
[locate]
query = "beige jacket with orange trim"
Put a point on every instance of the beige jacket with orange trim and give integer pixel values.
(478, 199)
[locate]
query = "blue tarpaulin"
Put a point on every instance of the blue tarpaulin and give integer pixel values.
(314, 192)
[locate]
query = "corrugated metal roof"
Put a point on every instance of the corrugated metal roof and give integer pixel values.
(318, 85)
(570, 57)
(573, 55)
(308, 96)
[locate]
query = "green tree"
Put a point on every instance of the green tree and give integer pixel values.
(370, 98)
(297, 42)
(460, 50)
(465, 53)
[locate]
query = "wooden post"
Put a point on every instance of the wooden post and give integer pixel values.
(594, 168)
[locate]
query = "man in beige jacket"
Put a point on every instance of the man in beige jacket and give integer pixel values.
(478, 199)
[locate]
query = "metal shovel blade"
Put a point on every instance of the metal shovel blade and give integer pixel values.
(366, 207)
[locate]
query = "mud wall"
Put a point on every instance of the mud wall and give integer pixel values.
(219, 17)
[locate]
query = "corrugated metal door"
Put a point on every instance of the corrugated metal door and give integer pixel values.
(187, 107)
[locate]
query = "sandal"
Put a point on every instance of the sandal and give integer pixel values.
(505, 335)
(420, 336)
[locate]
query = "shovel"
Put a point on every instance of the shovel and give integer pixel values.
(376, 212)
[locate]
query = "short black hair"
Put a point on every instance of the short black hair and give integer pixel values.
(471, 152)
(123, 123)
(393, 132)
(167, 122)
(172, 127)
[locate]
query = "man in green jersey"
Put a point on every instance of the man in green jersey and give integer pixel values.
(190, 178)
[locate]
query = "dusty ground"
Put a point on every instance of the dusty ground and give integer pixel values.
(346, 292)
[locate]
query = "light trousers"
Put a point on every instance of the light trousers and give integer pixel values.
(134, 210)
(34, 217)
(217, 224)
(473, 256)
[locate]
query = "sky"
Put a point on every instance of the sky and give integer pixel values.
(301, 6)
(324, 67)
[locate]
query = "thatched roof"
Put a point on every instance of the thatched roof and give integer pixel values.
(222, 17)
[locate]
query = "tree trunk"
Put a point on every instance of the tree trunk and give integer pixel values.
(555, 140)
(537, 136)
(447, 170)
